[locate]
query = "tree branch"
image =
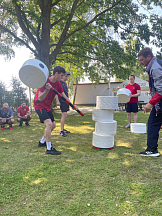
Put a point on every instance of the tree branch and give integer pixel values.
(25, 30)
(95, 17)
(63, 35)
(56, 2)
(65, 45)
(17, 38)
(79, 55)
(55, 23)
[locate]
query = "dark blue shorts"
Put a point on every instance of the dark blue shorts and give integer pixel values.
(64, 107)
(43, 115)
(132, 107)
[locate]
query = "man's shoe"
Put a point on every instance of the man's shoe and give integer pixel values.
(62, 133)
(128, 126)
(53, 151)
(27, 124)
(150, 153)
(66, 131)
(2, 127)
(20, 124)
(10, 127)
(41, 144)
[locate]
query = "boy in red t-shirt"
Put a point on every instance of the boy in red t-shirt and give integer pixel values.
(42, 104)
(132, 105)
(23, 114)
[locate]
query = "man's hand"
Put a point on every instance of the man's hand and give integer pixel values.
(58, 103)
(48, 86)
(147, 107)
(76, 108)
(3, 120)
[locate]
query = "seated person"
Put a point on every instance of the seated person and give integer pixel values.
(23, 114)
(6, 116)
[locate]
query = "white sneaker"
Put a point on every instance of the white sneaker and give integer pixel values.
(128, 126)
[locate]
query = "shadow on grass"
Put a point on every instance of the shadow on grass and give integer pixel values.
(115, 181)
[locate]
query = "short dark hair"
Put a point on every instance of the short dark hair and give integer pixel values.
(23, 102)
(58, 69)
(132, 76)
(145, 52)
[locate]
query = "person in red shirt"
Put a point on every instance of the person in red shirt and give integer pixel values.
(42, 104)
(23, 113)
(132, 105)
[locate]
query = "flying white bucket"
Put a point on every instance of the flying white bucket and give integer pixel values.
(34, 73)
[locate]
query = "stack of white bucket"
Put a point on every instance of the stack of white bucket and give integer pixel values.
(105, 126)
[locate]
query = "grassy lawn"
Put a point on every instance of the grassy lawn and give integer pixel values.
(81, 181)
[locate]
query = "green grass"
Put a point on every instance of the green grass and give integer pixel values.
(82, 180)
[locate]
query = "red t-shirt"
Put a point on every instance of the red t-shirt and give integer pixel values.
(22, 111)
(46, 103)
(133, 88)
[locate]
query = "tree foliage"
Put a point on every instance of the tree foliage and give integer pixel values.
(15, 96)
(80, 33)
(2, 93)
(18, 92)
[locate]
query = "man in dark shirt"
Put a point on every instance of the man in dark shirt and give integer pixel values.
(6, 116)
(63, 105)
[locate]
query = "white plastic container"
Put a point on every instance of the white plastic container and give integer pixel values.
(123, 95)
(102, 115)
(106, 128)
(107, 102)
(138, 128)
(34, 73)
(103, 141)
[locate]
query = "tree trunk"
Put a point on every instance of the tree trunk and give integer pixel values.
(45, 37)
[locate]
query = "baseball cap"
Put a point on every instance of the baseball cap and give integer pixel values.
(66, 73)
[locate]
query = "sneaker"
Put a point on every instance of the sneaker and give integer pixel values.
(66, 131)
(2, 127)
(128, 126)
(20, 124)
(41, 144)
(10, 127)
(53, 151)
(27, 124)
(62, 133)
(150, 153)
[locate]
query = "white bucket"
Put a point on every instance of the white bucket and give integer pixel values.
(102, 141)
(34, 73)
(138, 128)
(107, 102)
(123, 95)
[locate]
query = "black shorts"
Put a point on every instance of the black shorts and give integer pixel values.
(23, 119)
(6, 121)
(64, 107)
(43, 115)
(132, 107)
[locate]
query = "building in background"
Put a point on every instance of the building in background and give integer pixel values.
(85, 93)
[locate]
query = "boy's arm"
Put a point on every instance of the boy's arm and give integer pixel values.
(57, 100)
